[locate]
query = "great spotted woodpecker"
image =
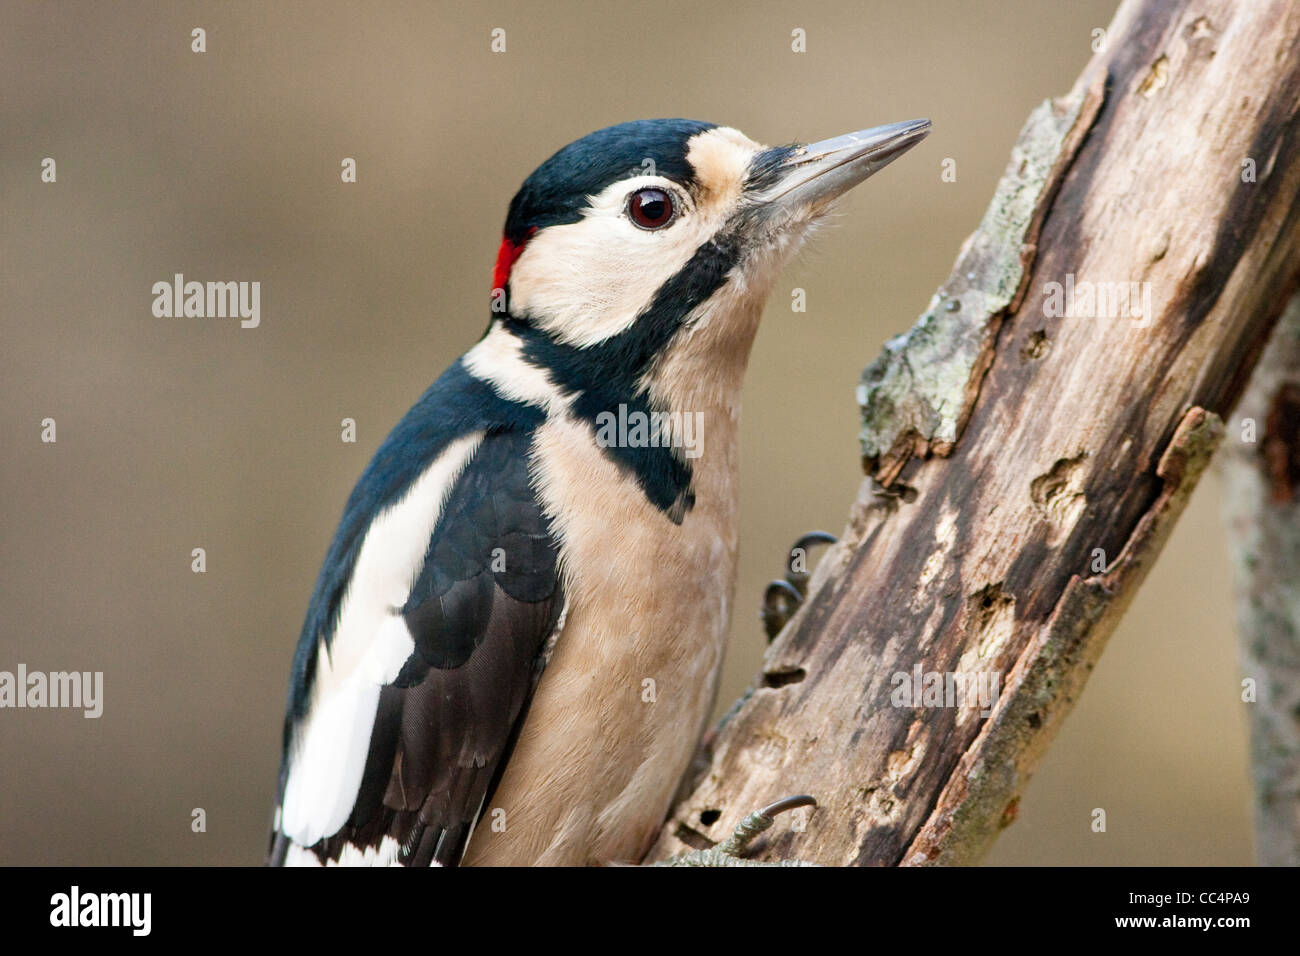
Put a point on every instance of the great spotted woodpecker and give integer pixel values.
(551, 529)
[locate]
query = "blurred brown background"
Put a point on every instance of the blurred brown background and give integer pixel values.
(182, 433)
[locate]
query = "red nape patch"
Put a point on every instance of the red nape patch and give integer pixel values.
(506, 256)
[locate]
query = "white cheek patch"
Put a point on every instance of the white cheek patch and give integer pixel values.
(589, 280)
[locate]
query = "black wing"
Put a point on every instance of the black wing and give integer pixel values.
(481, 614)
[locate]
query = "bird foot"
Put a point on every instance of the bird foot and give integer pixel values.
(731, 851)
(783, 596)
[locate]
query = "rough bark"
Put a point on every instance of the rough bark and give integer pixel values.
(1025, 468)
(1262, 468)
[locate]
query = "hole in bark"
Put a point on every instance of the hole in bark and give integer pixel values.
(1036, 346)
(709, 817)
(784, 677)
(1035, 721)
(1157, 79)
(1059, 496)
(897, 491)
(987, 604)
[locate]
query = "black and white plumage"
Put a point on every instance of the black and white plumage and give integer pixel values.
(504, 583)
(430, 704)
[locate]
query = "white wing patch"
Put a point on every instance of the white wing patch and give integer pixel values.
(371, 643)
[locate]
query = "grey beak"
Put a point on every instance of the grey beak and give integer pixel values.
(819, 172)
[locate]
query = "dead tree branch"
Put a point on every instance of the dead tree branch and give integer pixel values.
(1029, 445)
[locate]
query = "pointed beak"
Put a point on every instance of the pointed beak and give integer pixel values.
(813, 175)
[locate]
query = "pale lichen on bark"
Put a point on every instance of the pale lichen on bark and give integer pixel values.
(917, 396)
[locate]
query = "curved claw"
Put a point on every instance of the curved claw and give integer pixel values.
(799, 577)
(757, 822)
(780, 601)
(789, 803)
(730, 852)
(782, 598)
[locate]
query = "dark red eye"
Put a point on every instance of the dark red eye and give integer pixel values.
(651, 208)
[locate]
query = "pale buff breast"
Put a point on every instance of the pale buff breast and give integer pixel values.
(597, 763)
(631, 681)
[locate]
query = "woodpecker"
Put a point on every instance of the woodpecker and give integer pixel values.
(513, 644)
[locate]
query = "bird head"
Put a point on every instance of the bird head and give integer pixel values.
(634, 266)
(660, 216)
